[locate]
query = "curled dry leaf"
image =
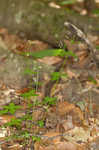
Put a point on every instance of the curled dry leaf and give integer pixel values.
(66, 146)
(53, 137)
(65, 108)
(6, 118)
(53, 60)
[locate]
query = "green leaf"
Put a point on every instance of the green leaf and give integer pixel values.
(11, 108)
(29, 71)
(44, 53)
(72, 41)
(29, 94)
(92, 80)
(97, 47)
(14, 122)
(2, 112)
(49, 100)
(41, 123)
(67, 2)
(55, 76)
(36, 138)
(27, 117)
(96, 11)
(26, 135)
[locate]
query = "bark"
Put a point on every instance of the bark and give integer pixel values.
(89, 5)
(35, 19)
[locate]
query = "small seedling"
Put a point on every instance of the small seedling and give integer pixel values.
(96, 12)
(26, 135)
(41, 123)
(30, 72)
(97, 48)
(14, 122)
(36, 138)
(11, 108)
(49, 100)
(29, 94)
(57, 75)
(27, 117)
(68, 2)
(92, 80)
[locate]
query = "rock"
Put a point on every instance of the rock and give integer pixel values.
(13, 67)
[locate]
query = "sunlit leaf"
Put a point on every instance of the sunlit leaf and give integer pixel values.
(68, 2)
(29, 94)
(97, 47)
(44, 53)
(49, 100)
(96, 11)
(29, 71)
(92, 80)
(55, 76)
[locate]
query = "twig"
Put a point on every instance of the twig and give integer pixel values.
(77, 33)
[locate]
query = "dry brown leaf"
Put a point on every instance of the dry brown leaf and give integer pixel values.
(64, 107)
(67, 124)
(52, 134)
(6, 118)
(37, 146)
(50, 60)
(77, 116)
(66, 146)
(38, 115)
(71, 74)
(15, 146)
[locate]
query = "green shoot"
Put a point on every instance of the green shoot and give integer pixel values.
(92, 80)
(49, 100)
(67, 2)
(14, 122)
(57, 75)
(44, 53)
(36, 138)
(29, 94)
(41, 123)
(11, 108)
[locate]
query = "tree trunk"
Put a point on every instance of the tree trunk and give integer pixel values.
(89, 5)
(36, 19)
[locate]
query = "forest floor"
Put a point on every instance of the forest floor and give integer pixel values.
(67, 118)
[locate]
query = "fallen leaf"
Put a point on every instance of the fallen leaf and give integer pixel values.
(53, 137)
(66, 146)
(6, 118)
(50, 60)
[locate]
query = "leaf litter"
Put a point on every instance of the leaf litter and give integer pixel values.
(66, 125)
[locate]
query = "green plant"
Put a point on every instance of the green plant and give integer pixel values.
(14, 122)
(96, 12)
(55, 76)
(44, 53)
(29, 71)
(49, 100)
(29, 94)
(11, 108)
(41, 123)
(27, 117)
(67, 2)
(36, 138)
(97, 47)
(90, 78)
